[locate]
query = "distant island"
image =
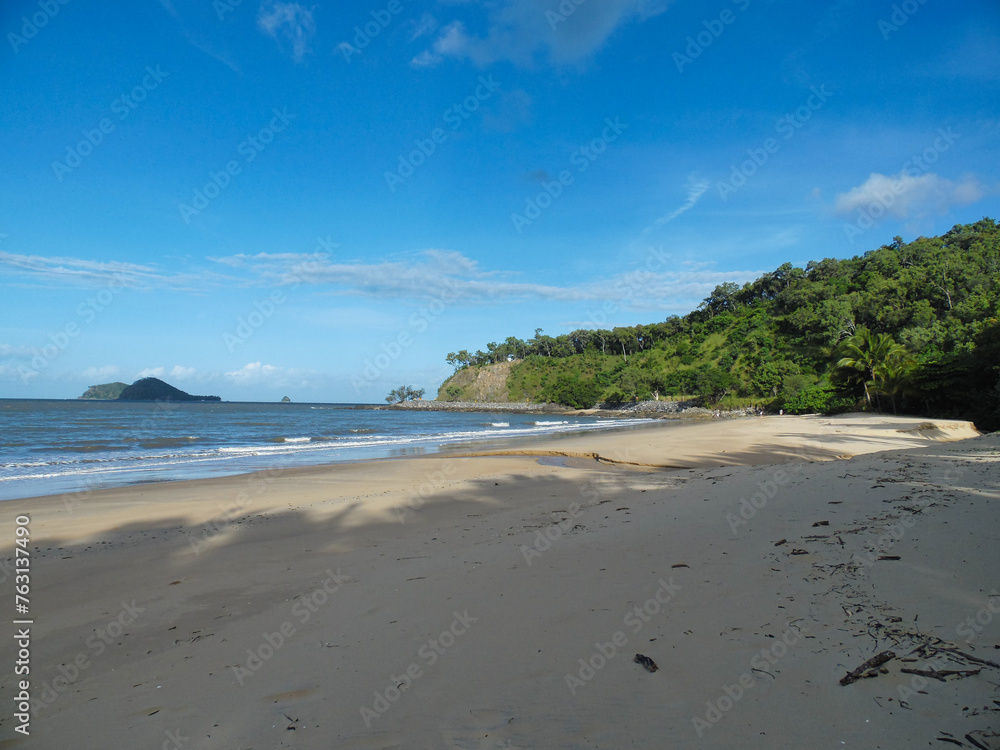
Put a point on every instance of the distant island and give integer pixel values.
(145, 389)
(105, 392)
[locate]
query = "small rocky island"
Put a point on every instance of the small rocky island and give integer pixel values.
(145, 389)
(105, 392)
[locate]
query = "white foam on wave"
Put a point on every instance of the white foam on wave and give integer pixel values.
(234, 457)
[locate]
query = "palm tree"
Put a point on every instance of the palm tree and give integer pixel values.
(879, 360)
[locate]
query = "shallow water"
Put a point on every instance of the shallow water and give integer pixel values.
(50, 446)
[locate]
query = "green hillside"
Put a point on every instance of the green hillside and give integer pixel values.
(108, 391)
(908, 326)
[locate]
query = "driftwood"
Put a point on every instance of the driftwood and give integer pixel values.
(928, 649)
(942, 674)
(968, 657)
(868, 669)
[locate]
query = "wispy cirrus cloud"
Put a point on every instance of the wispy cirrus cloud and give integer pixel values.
(696, 187)
(436, 273)
(197, 39)
(521, 30)
(82, 272)
(415, 276)
(290, 22)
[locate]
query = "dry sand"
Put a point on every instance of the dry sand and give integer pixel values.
(498, 601)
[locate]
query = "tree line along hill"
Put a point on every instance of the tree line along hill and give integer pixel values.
(909, 327)
(144, 389)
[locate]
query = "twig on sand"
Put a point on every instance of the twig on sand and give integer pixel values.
(942, 674)
(868, 669)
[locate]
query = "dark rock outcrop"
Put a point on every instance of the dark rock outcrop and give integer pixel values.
(154, 389)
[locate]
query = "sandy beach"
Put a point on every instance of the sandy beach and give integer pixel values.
(498, 600)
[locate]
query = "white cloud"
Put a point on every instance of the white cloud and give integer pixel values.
(518, 30)
(452, 277)
(182, 373)
(905, 196)
(115, 275)
(150, 372)
(289, 21)
(257, 373)
(425, 59)
(100, 374)
(6, 350)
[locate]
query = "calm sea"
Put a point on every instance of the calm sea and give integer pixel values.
(50, 447)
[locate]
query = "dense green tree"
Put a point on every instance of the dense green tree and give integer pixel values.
(878, 359)
(918, 315)
(404, 393)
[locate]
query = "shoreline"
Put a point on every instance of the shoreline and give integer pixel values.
(270, 601)
(570, 445)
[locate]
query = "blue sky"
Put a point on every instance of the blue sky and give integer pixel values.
(258, 199)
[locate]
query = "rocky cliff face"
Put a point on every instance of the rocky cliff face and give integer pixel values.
(154, 389)
(105, 391)
(478, 384)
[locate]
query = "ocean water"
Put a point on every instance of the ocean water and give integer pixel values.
(52, 447)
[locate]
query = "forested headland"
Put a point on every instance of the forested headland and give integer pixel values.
(909, 327)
